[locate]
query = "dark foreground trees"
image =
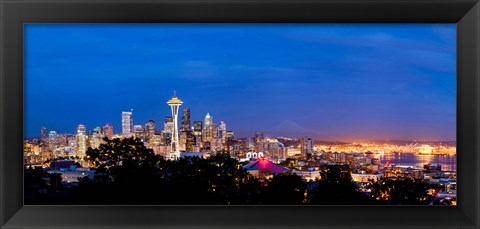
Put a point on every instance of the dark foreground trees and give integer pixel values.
(336, 187)
(401, 191)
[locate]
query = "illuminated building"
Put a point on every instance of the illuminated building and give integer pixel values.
(127, 123)
(150, 130)
(174, 104)
(182, 141)
(139, 132)
(96, 137)
(52, 140)
(405, 172)
(263, 168)
(168, 124)
(186, 119)
(167, 137)
(209, 130)
(191, 141)
(230, 135)
(43, 133)
(197, 131)
(108, 131)
(81, 141)
(223, 132)
(307, 175)
(306, 145)
(366, 177)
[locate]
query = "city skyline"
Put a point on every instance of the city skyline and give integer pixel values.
(343, 93)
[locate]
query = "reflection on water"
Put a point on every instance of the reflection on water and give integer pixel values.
(449, 163)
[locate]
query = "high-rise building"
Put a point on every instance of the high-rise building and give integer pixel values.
(139, 132)
(52, 140)
(174, 104)
(96, 137)
(197, 132)
(306, 145)
(259, 142)
(208, 131)
(191, 142)
(108, 131)
(43, 133)
(150, 130)
(168, 124)
(127, 123)
(223, 132)
(81, 141)
(186, 119)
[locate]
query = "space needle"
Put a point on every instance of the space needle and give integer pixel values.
(174, 103)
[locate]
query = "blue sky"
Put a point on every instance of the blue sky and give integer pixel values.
(330, 81)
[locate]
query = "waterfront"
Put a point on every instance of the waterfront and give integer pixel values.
(448, 162)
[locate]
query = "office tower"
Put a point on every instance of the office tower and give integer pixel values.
(306, 145)
(186, 119)
(223, 132)
(259, 142)
(81, 141)
(43, 132)
(139, 132)
(174, 104)
(167, 137)
(108, 131)
(182, 141)
(168, 124)
(150, 130)
(197, 132)
(52, 134)
(208, 133)
(96, 137)
(52, 140)
(127, 124)
(191, 142)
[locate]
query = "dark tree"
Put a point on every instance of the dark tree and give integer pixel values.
(401, 191)
(284, 189)
(336, 187)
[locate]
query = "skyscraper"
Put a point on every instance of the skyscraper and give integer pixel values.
(223, 132)
(191, 142)
(43, 132)
(197, 132)
(139, 131)
(168, 124)
(127, 123)
(174, 104)
(52, 140)
(96, 137)
(186, 119)
(81, 141)
(150, 130)
(108, 131)
(208, 133)
(306, 145)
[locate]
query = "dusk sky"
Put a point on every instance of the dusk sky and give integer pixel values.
(329, 81)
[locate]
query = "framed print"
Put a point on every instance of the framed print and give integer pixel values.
(240, 114)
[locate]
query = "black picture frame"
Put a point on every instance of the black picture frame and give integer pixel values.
(14, 13)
